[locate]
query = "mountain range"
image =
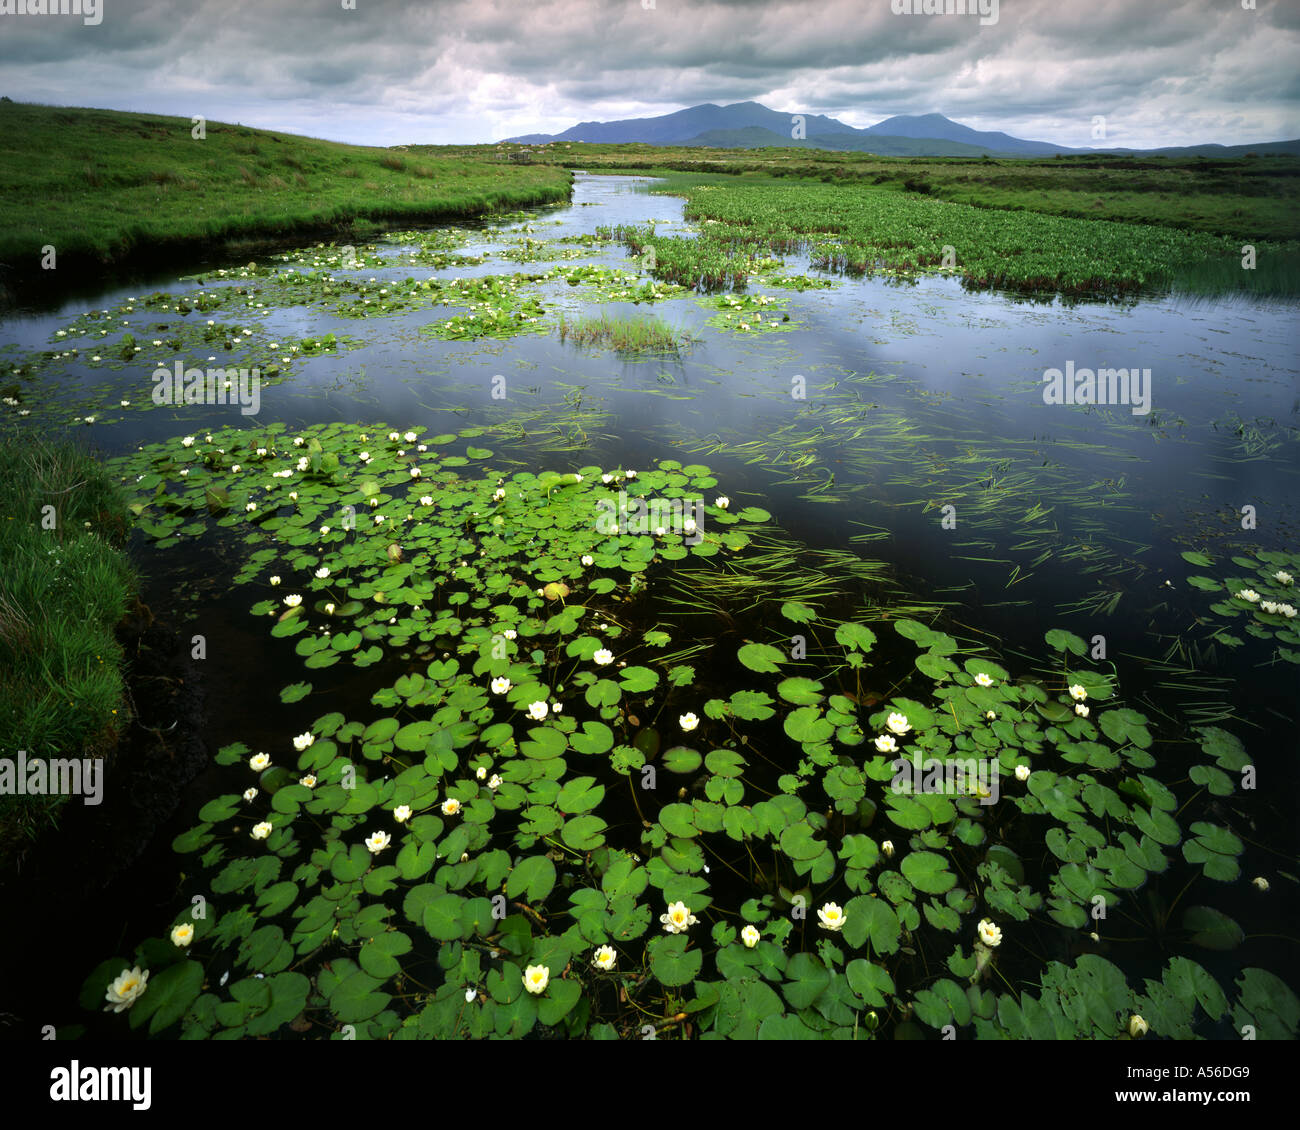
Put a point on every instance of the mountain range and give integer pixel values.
(751, 125)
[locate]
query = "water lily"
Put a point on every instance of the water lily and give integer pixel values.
(450, 806)
(510, 633)
(188, 441)
(426, 500)
(261, 831)
(376, 842)
(831, 916)
(293, 600)
(606, 478)
(886, 744)
(898, 723)
(887, 849)
(1248, 594)
(538, 710)
(309, 781)
(1081, 710)
(183, 934)
(303, 741)
(1260, 882)
(409, 437)
(1287, 611)
(481, 772)
(1078, 692)
(587, 559)
(990, 715)
(604, 958)
(750, 936)
(323, 572)
(631, 474)
(250, 795)
(722, 502)
(415, 472)
(1282, 577)
(984, 680)
(494, 782)
(603, 656)
(989, 934)
(258, 762)
(1022, 772)
(500, 685)
(126, 989)
(678, 918)
(536, 978)
(402, 813)
(1137, 1027)
(688, 721)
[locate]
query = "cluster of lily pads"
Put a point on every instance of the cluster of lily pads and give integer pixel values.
(1264, 599)
(547, 816)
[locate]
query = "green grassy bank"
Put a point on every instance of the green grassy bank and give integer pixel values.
(101, 186)
(65, 583)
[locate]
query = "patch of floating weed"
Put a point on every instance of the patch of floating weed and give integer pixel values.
(624, 335)
(749, 313)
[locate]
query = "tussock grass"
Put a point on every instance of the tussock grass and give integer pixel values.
(625, 335)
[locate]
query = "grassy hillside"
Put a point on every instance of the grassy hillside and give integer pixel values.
(102, 186)
(1246, 198)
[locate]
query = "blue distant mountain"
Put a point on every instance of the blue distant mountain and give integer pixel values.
(751, 125)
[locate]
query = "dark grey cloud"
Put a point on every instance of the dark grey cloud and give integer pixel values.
(395, 71)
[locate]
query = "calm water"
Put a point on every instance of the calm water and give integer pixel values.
(918, 396)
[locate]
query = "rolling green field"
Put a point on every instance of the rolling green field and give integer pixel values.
(101, 186)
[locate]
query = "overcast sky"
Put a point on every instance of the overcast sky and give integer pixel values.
(1162, 72)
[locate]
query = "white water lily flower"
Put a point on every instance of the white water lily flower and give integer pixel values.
(293, 600)
(538, 710)
(450, 806)
(1248, 594)
(188, 441)
(261, 451)
(558, 707)
(126, 989)
(376, 842)
(886, 744)
(393, 435)
(587, 559)
(536, 978)
(409, 437)
(235, 468)
(364, 456)
(293, 494)
(426, 500)
(1287, 611)
(631, 474)
(308, 781)
(261, 831)
(1260, 882)
(678, 918)
(604, 958)
(183, 934)
(989, 934)
(831, 916)
(275, 580)
(606, 478)
(250, 506)
(750, 936)
(402, 813)
(1078, 692)
(984, 680)
(1282, 576)
(494, 782)
(298, 441)
(329, 609)
(1268, 606)
(887, 849)
(510, 633)
(688, 721)
(603, 656)
(323, 572)
(258, 762)
(990, 715)
(689, 525)
(303, 741)
(250, 794)
(501, 685)
(1137, 1027)
(898, 723)
(481, 772)
(1081, 710)
(415, 472)
(303, 463)
(1022, 772)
